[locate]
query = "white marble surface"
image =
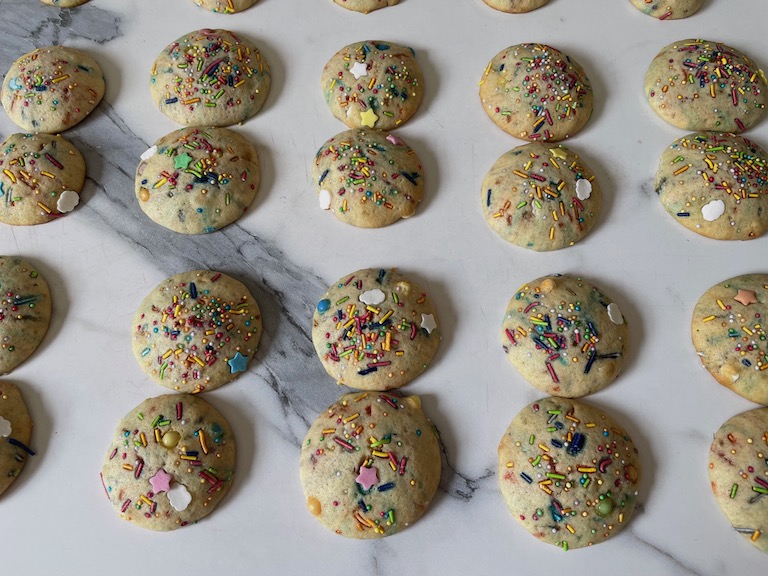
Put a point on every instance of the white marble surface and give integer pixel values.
(102, 259)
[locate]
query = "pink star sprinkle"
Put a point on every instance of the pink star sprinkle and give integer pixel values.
(161, 482)
(367, 477)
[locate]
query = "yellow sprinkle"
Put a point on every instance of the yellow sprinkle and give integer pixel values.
(570, 528)
(10, 175)
(201, 437)
(143, 439)
(198, 360)
(681, 170)
(708, 318)
(544, 447)
(352, 417)
(47, 174)
(44, 207)
(380, 454)
(720, 303)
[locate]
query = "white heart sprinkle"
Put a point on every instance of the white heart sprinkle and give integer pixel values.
(5, 427)
(325, 200)
(149, 153)
(583, 188)
(67, 201)
(373, 297)
(179, 497)
(615, 314)
(713, 210)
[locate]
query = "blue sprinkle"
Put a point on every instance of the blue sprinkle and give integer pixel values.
(488, 198)
(26, 449)
(387, 486)
(324, 305)
(525, 477)
(746, 362)
(577, 444)
(683, 214)
(322, 177)
(556, 443)
(367, 371)
(172, 100)
(382, 46)
(193, 290)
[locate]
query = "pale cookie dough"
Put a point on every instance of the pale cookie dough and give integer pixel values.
(370, 464)
(705, 85)
(564, 336)
(728, 331)
(52, 89)
(225, 6)
(515, 6)
(41, 177)
(25, 311)
(716, 185)
(668, 9)
(64, 3)
(15, 434)
(568, 473)
(738, 474)
(368, 178)
(210, 78)
(197, 180)
(196, 331)
(375, 330)
(541, 196)
(365, 6)
(170, 463)
(535, 92)
(373, 84)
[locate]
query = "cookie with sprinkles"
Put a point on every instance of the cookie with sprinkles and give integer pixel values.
(368, 178)
(365, 6)
(568, 472)
(25, 311)
(15, 434)
(716, 185)
(210, 78)
(373, 84)
(738, 474)
(541, 196)
(196, 331)
(41, 177)
(729, 335)
(564, 336)
(171, 462)
(197, 180)
(225, 6)
(705, 85)
(52, 89)
(375, 330)
(668, 9)
(370, 464)
(64, 3)
(535, 92)
(515, 6)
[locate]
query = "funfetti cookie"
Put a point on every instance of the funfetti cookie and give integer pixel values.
(705, 85)
(25, 311)
(375, 330)
(370, 464)
(196, 331)
(41, 177)
(52, 89)
(738, 474)
(568, 472)
(668, 9)
(170, 463)
(716, 185)
(225, 6)
(729, 334)
(15, 434)
(210, 78)
(365, 6)
(564, 336)
(373, 84)
(541, 196)
(515, 6)
(535, 92)
(197, 180)
(368, 178)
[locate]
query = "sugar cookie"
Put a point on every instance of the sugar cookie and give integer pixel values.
(668, 9)
(15, 434)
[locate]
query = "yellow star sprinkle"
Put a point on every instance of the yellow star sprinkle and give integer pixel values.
(558, 153)
(368, 118)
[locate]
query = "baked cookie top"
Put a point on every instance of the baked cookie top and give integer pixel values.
(729, 335)
(197, 180)
(25, 311)
(738, 474)
(668, 9)
(210, 78)
(370, 464)
(716, 185)
(375, 330)
(564, 336)
(515, 6)
(373, 84)
(41, 177)
(196, 331)
(15, 434)
(170, 463)
(52, 89)
(705, 85)
(368, 178)
(541, 196)
(225, 6)
(64, 3)
(568, 472)
(535, 92)
(365, 6)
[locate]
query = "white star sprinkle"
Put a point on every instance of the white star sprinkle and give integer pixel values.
(428, 322)
(359, 70)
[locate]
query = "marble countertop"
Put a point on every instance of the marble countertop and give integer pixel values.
(101, 261)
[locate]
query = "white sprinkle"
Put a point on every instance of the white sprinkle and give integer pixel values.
(67, 201)
(149, 153)
(713, 210)
(325, 200)
(615, 314)
(179, 497)
(5, 427)
(583, 188)
(372, 297)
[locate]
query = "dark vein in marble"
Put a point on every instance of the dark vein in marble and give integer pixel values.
(668, 555)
